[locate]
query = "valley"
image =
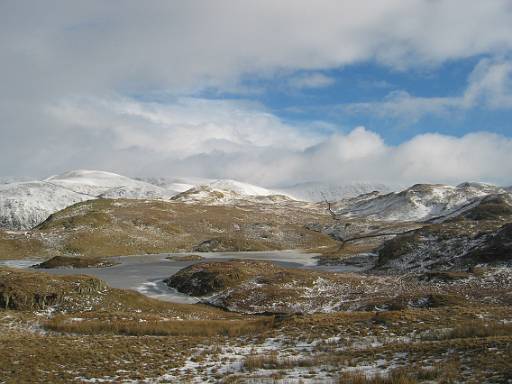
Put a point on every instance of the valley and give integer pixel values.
(227, 282)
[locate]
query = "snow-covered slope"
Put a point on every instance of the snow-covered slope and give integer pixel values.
(420, 202)
(180, 184)
(319, 191)
(96, 183)
(26, 204)
(228, 191)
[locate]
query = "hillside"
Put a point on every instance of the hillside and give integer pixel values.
(418, 203)
(480, 234)
(221, 192)
(23, 205)
(26, 204)
(125, 227)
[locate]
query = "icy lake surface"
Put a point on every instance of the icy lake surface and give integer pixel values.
(146, 273)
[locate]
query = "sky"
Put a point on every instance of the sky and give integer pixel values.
(269, 92)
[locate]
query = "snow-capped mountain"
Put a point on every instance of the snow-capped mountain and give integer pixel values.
(180, 184)
(419, 202)
(319, 191)
(226, 191)
(108, 184)
(26, 204)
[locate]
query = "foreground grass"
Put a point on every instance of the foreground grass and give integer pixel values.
(335, 346)
(95, 332)
(142, 327)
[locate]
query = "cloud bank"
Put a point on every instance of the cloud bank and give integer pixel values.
(63, 46)
(230, 139)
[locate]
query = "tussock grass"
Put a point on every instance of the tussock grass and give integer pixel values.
(361, 378)
(478, 329)
(142, 327)
(444, 374)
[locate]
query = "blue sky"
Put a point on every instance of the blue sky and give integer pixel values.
(369, 83)
(274, 93)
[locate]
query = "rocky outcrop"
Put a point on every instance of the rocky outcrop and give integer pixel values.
(75, 262)
(28, 291)
(497, 248)
(210, 277)
(482, 234)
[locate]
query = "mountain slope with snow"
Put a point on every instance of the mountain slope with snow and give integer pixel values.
(26, 204)
(319, 191)
(420, 202)
(179, 184)
(108, 184)
(226, 191)
(479, 234)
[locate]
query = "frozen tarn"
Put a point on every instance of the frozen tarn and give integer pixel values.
(25, 263)
(146, 273)
(159, 290)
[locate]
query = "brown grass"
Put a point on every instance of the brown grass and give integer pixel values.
(443, 374)
(141, 327)
(476, 329)
(18, 246)
(361, 378)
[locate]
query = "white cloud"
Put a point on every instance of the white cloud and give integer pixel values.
(96, 45)
(311, 80)
(489, 86)
(185, 127)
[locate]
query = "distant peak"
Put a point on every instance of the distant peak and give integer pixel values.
(475, 184)
(84, 173)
